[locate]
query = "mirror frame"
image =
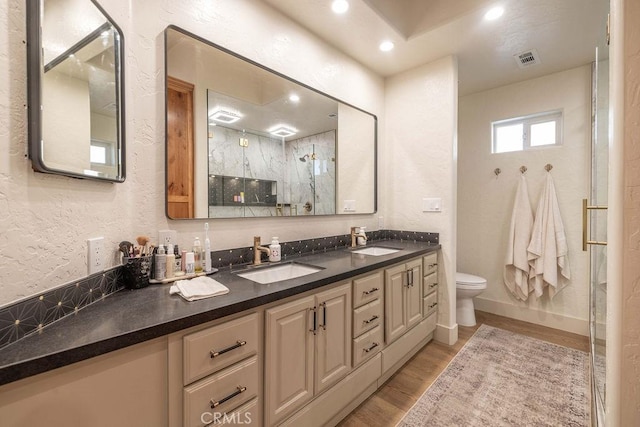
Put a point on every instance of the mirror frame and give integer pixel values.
(35, 71)
(254, 63)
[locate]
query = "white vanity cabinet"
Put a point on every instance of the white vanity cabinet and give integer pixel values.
(307, 349)
(430, 284)
(368, 316)
(219, 371)
(403, 298)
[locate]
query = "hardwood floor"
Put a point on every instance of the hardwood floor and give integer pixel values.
(391, 401)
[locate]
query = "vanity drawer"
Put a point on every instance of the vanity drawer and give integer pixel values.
(366, 289)
(367, 317)
(366, 345)
(219, 346)
(430, 304)
(429, 284)
(221, 392)
(430, 263)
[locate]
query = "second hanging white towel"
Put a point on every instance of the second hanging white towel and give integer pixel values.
(548, 250)
(516, 269)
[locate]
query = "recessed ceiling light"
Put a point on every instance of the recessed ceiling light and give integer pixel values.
(294, 98)
(224, 116)
(494, 13)
(340, 6)
(386, 46)
(282, 131)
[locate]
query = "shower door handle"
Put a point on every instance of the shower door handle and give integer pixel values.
(585, 220)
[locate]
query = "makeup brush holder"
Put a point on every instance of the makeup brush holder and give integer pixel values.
(137, 272)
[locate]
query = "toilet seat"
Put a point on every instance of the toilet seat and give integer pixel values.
(469, 281)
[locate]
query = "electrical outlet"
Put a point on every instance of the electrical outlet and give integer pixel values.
(167, 236)
(380, 222)
(95, 258)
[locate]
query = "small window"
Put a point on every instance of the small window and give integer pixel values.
(524, 133)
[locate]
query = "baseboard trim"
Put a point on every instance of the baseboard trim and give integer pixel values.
(544, 318)
(446, 335)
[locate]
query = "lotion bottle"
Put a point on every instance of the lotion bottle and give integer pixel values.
(362, 241)
(170, 262)
(197, 255)
(274, 248)
(207, 249)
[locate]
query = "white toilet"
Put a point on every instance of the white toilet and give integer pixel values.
(467, 287)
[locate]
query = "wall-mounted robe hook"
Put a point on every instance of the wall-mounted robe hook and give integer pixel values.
(523, 169)
(548, 167)
(497, 171)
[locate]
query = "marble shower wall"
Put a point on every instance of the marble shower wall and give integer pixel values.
(312, 182)
(262, 159)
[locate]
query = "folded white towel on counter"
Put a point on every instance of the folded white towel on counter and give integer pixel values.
(198, 288)
(516, 268)
(548, 250)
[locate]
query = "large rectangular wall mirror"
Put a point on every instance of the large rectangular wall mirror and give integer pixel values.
(75, 90)
(247, 141)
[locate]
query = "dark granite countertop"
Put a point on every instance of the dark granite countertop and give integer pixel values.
(129, 317)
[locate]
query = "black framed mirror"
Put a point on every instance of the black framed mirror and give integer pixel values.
(245, 141)
(75, 90)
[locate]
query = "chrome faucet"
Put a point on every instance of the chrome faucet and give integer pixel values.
(355, 234)
(257, 249)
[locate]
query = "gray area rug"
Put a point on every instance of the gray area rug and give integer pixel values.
(500, 378)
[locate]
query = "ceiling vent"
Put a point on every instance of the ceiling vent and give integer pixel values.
(527, 58)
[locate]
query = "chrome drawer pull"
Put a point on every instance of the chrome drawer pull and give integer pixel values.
(370, 320)
(371, 291)
(367, 350)
(233, 347)
(433, 305)
(239, 389)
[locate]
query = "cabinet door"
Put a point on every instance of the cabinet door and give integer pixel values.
(288, 358)
(333, 339)
(413, 294)
(394, 294)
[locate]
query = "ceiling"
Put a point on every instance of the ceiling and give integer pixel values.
(564, 34)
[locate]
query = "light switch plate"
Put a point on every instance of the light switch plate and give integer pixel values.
(431, 204)
(349, 206)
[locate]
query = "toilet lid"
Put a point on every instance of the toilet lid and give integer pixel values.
(469, 279)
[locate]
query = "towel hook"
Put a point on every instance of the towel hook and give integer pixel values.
(497, 171)
(523, 169)
(548, 167)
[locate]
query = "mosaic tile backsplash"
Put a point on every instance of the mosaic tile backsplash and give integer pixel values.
(30, 315)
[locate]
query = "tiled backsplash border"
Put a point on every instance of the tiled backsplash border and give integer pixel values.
(30, 315)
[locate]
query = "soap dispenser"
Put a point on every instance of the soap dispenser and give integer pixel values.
(362, 238)
(274, 250)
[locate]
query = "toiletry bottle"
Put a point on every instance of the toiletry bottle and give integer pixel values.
(274, 248)
(197, 255)
(189, 263)
(183, 265)
(161, 264)
(170, 262)
(177, 270)
(362, 241)
(207, 249)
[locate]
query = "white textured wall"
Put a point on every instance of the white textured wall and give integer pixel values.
(46, 219)
(420, 154)
(485, 202)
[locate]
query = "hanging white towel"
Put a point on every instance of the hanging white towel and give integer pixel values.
(516, 269)
(548, 250)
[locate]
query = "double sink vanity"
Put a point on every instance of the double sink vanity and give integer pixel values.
(301, 342)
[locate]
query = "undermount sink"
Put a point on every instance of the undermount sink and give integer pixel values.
(376, 251)
(277, 273)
